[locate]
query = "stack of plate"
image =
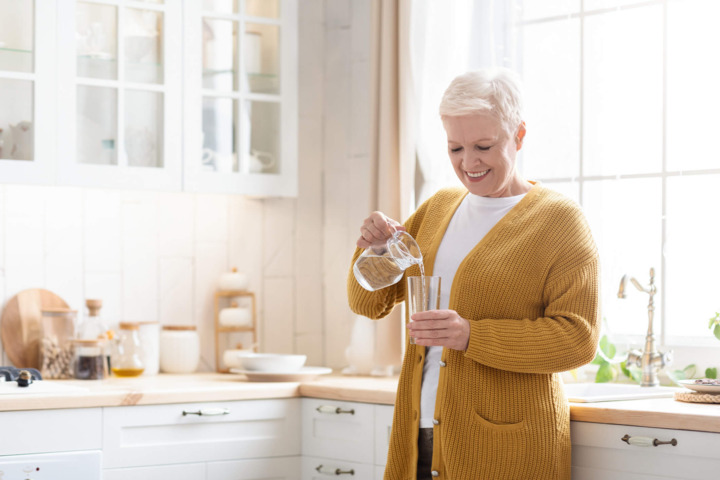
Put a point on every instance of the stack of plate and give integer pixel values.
(276, 367)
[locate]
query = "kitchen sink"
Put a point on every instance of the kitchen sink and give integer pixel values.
(608, 392)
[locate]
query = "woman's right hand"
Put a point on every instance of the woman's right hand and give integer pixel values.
(377, 228)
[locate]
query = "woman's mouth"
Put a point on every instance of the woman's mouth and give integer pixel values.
(477, 175)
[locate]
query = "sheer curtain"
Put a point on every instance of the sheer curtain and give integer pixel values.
(447, 39)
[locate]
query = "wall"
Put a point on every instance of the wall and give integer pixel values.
(157, 256)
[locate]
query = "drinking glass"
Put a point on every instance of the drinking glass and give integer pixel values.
(423, 294)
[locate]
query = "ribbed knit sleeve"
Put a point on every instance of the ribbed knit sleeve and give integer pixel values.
(564, 338)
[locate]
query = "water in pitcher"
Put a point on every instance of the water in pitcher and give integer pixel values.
(383, 265)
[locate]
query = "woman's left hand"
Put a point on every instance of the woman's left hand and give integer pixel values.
(442, 328)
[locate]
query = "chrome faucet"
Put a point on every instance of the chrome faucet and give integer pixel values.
(649, 360)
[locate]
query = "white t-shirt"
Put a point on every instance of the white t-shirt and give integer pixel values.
(473, 219)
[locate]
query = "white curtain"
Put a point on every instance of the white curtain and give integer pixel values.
(447, 39)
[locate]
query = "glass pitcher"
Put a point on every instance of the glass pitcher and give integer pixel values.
(383, 264)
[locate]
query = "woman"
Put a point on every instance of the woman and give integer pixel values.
(480, 396)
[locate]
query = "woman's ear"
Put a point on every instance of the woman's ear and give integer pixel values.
(520, 135)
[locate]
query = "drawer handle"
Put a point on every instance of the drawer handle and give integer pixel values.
(334, 410)
(322, 469)
(646, 441)
(208, 412)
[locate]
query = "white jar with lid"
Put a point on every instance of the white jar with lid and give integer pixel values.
(235, 316)
(149, 334)
(233, 281)
(179, 349)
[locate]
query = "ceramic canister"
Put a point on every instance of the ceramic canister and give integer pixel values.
(234, 281)
(179, 349)
(235, 316)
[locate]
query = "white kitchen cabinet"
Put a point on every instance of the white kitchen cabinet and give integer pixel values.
(240, 113)
(318, 468)
(27, 91)
(50, 431)
(383, 427)
(285, 468)
(599, 453)
(190, 471)
(338, 430)
(119, 94)
(200, 432)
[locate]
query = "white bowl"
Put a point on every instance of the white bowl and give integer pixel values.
(272, 362)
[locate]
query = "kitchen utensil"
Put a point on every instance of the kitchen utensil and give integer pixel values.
(302, 375)
(272, 362)
(232, 357)
(700, 387)
(179, 349)
(89, 362)
(383, 264)
(20, 327)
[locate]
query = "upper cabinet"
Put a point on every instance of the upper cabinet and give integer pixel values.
(241, 96)
(120, 68)
(27, 70)
(196, 95)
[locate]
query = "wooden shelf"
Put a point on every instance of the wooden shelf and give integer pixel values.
(221, 329)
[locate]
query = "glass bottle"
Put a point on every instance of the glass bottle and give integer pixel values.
(127, 359)
(56, 348)
(93, 327)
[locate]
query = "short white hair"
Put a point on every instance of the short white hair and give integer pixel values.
(495, 90)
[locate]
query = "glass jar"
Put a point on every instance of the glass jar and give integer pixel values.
(93, 327)
(179, 349)
(89, 362)
(56, 347)
(127, 358)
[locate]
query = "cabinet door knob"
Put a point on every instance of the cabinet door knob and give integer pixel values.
(334, 410)
(646, 441)
(208, 412)
(324, 470)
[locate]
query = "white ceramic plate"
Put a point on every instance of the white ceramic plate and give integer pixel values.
(304, 374)
(699, 387)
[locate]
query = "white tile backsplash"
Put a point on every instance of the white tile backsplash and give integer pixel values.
(176, 225)
(107, 286)
(278, 333)
(176, 290)
(102, 230)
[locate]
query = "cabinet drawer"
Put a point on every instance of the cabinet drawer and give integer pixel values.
(383, 424)
(168, 434)
(42, 431)
(284, 468)
(318, 468)
(191, 471)
(599, 452)
(339, 430)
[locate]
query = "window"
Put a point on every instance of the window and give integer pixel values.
(621, 102)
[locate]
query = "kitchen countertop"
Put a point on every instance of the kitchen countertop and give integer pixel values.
(212, 387)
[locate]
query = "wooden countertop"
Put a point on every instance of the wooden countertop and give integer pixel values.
(212, 387)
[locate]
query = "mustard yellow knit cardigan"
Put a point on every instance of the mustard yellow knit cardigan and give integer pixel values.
(530, 291)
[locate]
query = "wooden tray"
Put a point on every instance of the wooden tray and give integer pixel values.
(20, 327)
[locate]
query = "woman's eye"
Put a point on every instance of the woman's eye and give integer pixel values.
(484, 149)
(455, 150)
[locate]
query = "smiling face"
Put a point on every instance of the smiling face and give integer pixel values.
(483, 155)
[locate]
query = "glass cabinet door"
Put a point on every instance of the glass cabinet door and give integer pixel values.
(125, 90)
(241, 108)
(26, 107)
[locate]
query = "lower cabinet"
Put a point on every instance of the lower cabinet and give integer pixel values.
(250, 439)
(344, 439)
(620, 452)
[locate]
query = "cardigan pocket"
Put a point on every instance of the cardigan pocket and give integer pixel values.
(499, 427)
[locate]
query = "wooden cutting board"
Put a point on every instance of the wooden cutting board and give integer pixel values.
(20, 327)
